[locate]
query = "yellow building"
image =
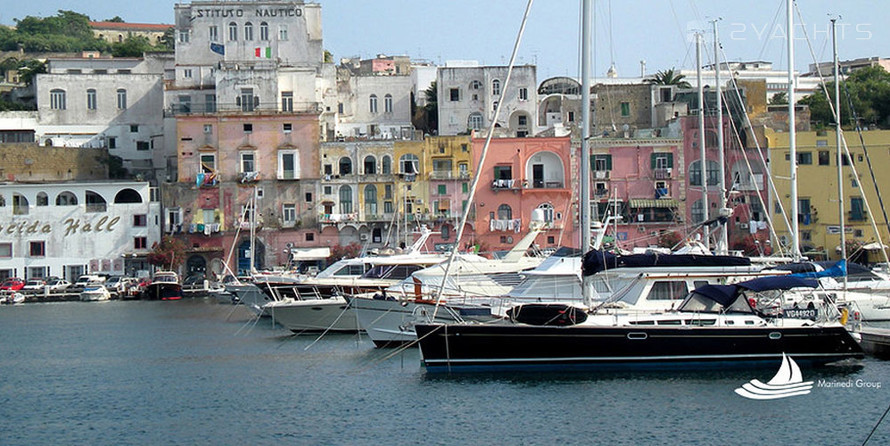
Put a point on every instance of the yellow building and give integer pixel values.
(819, 222)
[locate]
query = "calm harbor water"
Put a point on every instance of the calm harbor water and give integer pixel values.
(197, 372)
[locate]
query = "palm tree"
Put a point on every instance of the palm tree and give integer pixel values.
(669, 77)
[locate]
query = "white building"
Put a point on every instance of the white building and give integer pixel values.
(374, 106)
(69, 229)
(469, 95)
(114, 103)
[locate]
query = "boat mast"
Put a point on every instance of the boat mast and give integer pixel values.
(792, 135)
(840, 156)
(584, 182)
(706, 233)
(252, 256)
(722, 237)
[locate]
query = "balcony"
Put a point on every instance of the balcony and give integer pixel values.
(207, 179)
(338, 218)
(602, 174)
(192, 109)
(508, 225)
(662, 174)
(601, 193)
(539, 184)
(249, 177)
(505, 184)
(449, 175)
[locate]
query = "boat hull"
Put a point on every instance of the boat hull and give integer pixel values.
(509, 346)
(390, 323)
(162, 291)
(314, 315)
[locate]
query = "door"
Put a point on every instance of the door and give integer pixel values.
(538, 175)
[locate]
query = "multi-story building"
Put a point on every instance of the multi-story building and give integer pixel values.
(66, 229)
(468, 95)
(109, 103)
(374, 99)
(519, 176)
(818, 211)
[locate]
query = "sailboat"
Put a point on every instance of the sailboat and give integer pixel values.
(715, 324)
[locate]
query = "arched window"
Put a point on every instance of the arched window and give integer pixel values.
(370, 200)
(345, 200)
(370, 165)
(128, 196)
(66, 199)
(548, 212)
(248, 31)
(42, 199)
(57, 99)
(20, 204)
(387, 103)
(409, 163)
(505, 212)
(2, 201)
(386, 165)
(496, 87)
(475, 85)
(233, 31)
(713, 172)
(372, 103)
(474, 122)
(95, 202)
(345, 165)
(121, 99)
(264, 31)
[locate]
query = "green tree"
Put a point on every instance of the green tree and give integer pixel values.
(115, 19)
(328, 57)
(780, 98)
(426, 119)
(869, 93)
(30, 70)
(168, 40)
(669, 77)
(132, 46)
(169, 254)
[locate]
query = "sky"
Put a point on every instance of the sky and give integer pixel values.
(626, 31)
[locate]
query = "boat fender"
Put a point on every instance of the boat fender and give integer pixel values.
(845, 314)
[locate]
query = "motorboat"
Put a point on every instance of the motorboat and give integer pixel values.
(164, 285)
(716, 325)
(95, 293)
(11, 297)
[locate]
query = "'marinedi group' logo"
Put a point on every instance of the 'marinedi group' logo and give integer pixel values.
(787, 382)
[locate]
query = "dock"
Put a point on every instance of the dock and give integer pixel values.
(876, 341)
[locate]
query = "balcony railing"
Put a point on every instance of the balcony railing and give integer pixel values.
(507, 225)
(337, 218)
(662, 174)
(449, 175)
(189, 109)
(505, 184)
(602, 174)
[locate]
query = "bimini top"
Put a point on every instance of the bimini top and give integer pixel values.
(596, 261)
(727, 294)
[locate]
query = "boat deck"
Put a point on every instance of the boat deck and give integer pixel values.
(876, 341)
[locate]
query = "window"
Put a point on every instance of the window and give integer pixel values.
(625, 109)
(289, 214)
(463, 170)
(370, 165)
(248, 162)
(187, 73)
(57, 99)
(668, 290)
(282, 32)
(454, 94)
(208, 129)
(248, 128)
(310, 237)
(91, 99)
(523, 94)
(38, 249)
(522, 120)
(698, 211)
(111, 141)
(95, 202)
(387, 207)
(345, 200)
(805, 158)
(387, 103)
(140, 243)
(370, 200)
(345, 165)
(548, 212)
(264, 31)
(140, 220)
(142, 146)
(208, 162)
(503, 172)
(386, 165)
(5, 250)
(288, 165)
(442, 189)
(409, 164)
(372, 103)
(121, 99)
(210, 103)
(248, 31)
(474, 122)
(695, 173)
(214, 33)
(66, 199)
(247, 101)
(233, 31)
(661, 161)
(42, 199)
(505, 212)
(134, 128)
(496, 87)
(185, 104)
(287, 127)
(387, 192)
(475, 85)
(824, 158)
(857, 209)
(287, 101)
(465, 188)
(184, 36)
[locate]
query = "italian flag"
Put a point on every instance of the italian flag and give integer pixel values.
(264, 52)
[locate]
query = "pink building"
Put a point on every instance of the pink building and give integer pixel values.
(519, 176)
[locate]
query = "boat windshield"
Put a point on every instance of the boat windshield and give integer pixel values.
(701, 303)
(391, 272)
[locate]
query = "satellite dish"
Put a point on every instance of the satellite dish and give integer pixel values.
(217, 267)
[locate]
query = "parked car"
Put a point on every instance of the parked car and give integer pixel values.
(12, 284)
(118, 285)
(34, 286)
(85, 280)
(58, 285)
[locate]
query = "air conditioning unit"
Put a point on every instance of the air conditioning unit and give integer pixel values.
(743, 226)
(363, 237)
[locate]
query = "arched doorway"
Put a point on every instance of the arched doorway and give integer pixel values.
(196, 265)
(244, 256)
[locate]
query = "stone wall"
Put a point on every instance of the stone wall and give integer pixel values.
(31, 162)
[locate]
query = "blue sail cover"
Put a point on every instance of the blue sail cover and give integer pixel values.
(727, 294)
(596, 261)
(839, 269)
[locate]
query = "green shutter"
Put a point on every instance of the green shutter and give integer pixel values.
(670, 160)
(652, 160)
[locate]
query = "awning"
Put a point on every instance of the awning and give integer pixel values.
(659, 203)
(301, 254)
(873, 246)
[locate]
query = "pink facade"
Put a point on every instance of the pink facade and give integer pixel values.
(519, 176)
